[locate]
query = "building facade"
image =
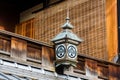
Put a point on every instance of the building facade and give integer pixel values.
(27, 53)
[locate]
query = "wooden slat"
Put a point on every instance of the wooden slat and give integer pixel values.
(34, 53)
(18, 48)
(48, 58)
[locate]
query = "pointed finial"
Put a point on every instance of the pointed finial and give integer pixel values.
(67, 25)
(67, 19)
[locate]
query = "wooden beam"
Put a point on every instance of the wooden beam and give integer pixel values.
(10, 34)
(47, 6)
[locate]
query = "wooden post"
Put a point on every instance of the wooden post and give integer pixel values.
(91, 68)
(18, 48)
(114, 72)
(48, 58)
(111, 28)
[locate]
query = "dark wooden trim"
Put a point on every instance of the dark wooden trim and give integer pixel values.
(47, 6)
(34, 60)
(45, 3)
(118, 18)
(34, 46)
(102, 64)
(6, 38)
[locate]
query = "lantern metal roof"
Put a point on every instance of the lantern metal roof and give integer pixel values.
(67, 33)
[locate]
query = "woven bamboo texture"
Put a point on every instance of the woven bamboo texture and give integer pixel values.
(87, 17)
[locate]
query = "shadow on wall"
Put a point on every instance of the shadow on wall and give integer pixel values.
(2, 27)
(9, 16)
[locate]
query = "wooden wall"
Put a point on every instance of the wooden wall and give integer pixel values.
(90, 22)
(25, 50)
(97, 69)
(19, 50)
(111, 28)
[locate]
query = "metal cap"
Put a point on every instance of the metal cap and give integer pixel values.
(67, 25)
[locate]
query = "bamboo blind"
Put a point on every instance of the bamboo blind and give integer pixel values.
(26, 28)
(87, 17)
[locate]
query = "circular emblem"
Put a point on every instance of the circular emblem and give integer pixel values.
(60, 51)
(71, 51)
